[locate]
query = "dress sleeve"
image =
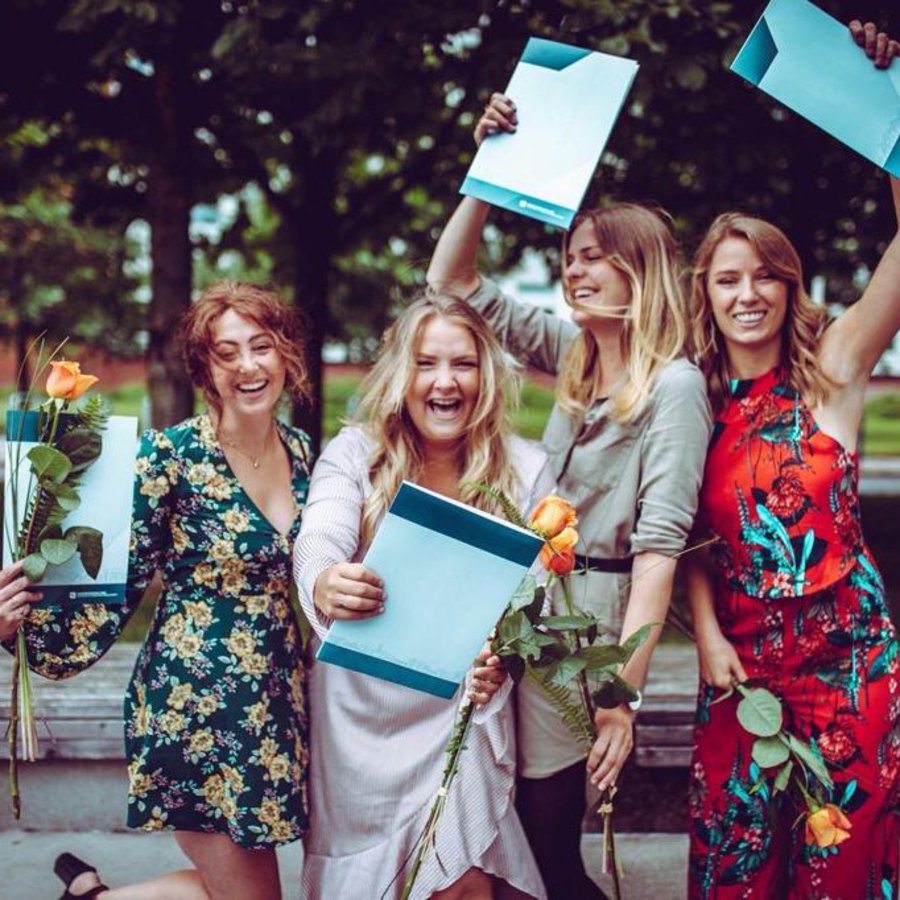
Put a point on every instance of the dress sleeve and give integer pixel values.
(527, 332)
(329, 532)
(673, 452)
(65, 641)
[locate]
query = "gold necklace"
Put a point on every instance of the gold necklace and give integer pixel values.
(254, 460)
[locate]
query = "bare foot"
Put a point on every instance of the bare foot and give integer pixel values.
(83, 883)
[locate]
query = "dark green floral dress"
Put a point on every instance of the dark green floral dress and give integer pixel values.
(215, 714)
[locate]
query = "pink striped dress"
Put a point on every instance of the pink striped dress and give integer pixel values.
(377, 749)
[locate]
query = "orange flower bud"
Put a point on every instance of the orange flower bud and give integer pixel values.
(558, 554)
(827, 826)
(65, 381)
(552, 515)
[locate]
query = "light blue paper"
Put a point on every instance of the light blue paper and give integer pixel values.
(106, 504)
(568, 100)
(444, 596)
(808, 61)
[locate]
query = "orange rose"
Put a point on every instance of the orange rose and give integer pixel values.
(551, 516)
(558, 554)
(827, 826)
(65, 381)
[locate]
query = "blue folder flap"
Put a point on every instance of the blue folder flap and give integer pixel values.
(552, 54)
(757, 54)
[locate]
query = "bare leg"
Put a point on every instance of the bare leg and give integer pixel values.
(473, 885)
(184, 884)
(229, 872)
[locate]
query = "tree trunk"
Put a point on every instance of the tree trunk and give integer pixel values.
(168, 204)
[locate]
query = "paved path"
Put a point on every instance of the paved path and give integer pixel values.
(655, 864)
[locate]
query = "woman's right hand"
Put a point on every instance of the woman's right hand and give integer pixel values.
(349, 591)
(14, 600)
(878, 45)
(498, 115)
(719, 662)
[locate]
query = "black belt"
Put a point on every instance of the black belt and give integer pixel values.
(601, 564)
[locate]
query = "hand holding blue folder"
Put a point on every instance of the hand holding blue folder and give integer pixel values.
(808, 61)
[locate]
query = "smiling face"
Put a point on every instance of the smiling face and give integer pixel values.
(247, 371)
(749, 304)
(445, 384)
(598, 291)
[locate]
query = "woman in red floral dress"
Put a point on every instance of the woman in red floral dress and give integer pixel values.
(797, 603)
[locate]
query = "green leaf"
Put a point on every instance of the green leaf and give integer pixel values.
(534, 609)
(613, 691)
(57, 552)
(48, 463)
(637, 639)
(599, 657)
(66, 496)
(564, 670)
(769, 752)
(760, 713)
(783, 777)
(811, 760)
(524, 595)
(34, 566)
(81, 446)
(90, 547)
(514, 627)
(51, 531)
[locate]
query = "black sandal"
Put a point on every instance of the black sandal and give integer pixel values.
(67, 868)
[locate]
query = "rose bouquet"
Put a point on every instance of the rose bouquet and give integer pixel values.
(42, 492)
(557, 651)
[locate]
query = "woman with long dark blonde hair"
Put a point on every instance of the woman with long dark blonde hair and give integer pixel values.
(433, 411)
(795, 600)
(626, 439)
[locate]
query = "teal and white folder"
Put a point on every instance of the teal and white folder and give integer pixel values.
(808, 61)
(449, 572)
(568, 100)
(106, 504)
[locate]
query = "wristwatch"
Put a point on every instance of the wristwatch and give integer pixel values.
(635, 705)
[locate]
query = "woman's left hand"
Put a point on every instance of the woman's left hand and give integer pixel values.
(879, 46)
(486, 677)
(612, 746)
(14, 600)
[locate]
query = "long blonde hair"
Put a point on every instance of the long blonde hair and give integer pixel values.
(804, 321)
(639, 242)
(397, 454)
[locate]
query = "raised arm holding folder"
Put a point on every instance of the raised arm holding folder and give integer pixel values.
(449, 571)
(808, 61)
(569, 99)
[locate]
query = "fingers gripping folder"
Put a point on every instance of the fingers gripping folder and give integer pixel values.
(808, 61)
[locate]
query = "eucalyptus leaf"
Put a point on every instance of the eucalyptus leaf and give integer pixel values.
(90, 547)
(48, 463)
(57, 551)
(66, 495)
(760, 712)
(34, 566)
(769, 752)
(51, 531)
(81, 446)
(783, 777)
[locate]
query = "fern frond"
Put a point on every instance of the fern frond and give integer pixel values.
(502, 500)
(569, 710)
(93, 414)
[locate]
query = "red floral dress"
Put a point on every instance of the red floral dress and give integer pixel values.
(800, 598)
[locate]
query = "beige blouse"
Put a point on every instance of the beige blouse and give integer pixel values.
(634, 486)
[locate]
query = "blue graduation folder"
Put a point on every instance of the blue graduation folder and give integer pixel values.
(808, 61)
(568, 100)
(449, 571)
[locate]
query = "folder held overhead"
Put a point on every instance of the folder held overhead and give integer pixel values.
(449, 571)
(568, 100)
(808, 61)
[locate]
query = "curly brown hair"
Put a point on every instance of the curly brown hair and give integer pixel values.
(253, 302)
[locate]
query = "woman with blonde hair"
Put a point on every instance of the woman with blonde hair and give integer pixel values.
(215, 712)
(626, 439)
(795, 601)
(434, 412)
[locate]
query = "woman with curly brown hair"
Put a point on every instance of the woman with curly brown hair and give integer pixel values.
(215, 714)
